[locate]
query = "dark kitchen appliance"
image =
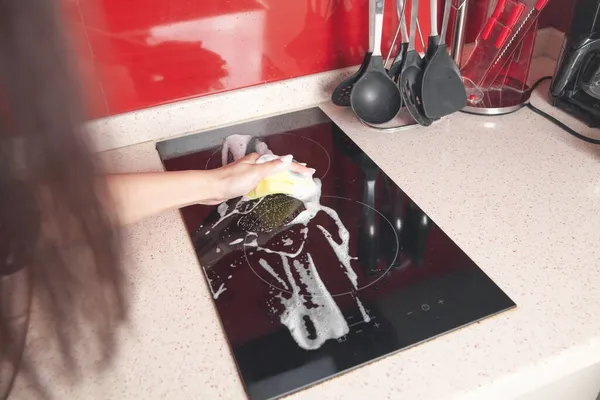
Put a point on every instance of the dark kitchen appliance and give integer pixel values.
(575, 87)
(294, 309)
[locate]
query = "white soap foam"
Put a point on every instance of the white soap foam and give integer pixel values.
(254, 243)
(262, 148)
(219, 291)
(327, 319)
(237, 145)
(364, 313)
(271, 271)
(341, 249)
(223, 207)
(287, 242)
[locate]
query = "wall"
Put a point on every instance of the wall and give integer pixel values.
(139, 53)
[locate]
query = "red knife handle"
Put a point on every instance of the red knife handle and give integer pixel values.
(515, 14)
(485, 33)
(499, 8)
(501, 39)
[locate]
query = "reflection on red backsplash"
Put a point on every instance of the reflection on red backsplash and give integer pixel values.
(139, 53)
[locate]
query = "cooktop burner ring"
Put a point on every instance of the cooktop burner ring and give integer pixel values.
(317, 174)
(348, 292)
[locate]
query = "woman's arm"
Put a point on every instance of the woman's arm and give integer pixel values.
(139, 195)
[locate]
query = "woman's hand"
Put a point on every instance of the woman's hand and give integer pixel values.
(240, 177)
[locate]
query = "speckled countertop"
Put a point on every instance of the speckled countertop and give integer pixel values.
(519, 195)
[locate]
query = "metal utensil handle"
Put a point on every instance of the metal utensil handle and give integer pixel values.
(414, 11)
(420, 33)
(400, 5)
(445, 21)
(401, 27)
(389, 54)
(433, 16)
(377, 17)
(459, 32)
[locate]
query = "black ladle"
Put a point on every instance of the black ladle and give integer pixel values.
(443, 91)
(375, 97)
(411, 76)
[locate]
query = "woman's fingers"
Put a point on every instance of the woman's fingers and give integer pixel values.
(301, 169)
(250, 158)
(277, 165)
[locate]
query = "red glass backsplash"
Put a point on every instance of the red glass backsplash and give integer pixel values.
(139, 53)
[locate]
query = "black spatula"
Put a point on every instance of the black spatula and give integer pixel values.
(442, 91)
(412, 75)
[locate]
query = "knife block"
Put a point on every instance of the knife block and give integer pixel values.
(495, 74)
(508, 90)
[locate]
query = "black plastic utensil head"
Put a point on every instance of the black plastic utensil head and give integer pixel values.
(341, 94)
(443, 91)
(375, 98)
(410, 87)
(398, 62)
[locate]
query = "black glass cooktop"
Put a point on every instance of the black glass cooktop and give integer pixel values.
(308, 291)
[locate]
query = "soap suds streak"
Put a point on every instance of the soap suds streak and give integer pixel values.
(271, 271)
(236, 145)
(326, 318)
(254, 243)
(363, 312)
(219, 291)
(342, 249)
(223, 207)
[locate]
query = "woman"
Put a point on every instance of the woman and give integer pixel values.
(58, 214)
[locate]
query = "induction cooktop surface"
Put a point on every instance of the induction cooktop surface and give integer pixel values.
(309, 290)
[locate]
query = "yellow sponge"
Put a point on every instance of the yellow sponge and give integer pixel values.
(284, 182)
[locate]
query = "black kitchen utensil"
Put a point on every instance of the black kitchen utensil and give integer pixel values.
(398, 62)
(375, 97)
(412, 75)
(443, 91)
(434, 39)
(341, 94)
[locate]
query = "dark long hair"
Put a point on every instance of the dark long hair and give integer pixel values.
(57, 239)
